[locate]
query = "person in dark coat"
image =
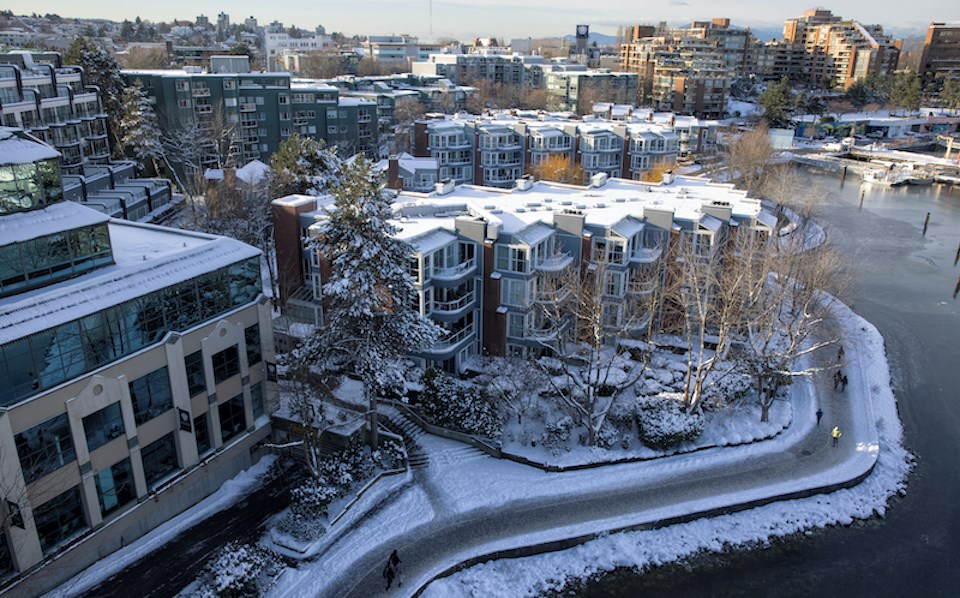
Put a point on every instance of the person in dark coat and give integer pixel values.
(392, 570)
(836, 379)
(819, 415)
(843, 383)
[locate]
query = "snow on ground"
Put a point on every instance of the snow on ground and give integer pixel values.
(744, 108)
(228, 494)
(534, 575)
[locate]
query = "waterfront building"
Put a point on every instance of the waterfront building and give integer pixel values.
(482, 258)
(137, 365)
(941, 52)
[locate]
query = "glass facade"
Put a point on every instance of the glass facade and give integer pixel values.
(103, 426)
(226, 364)
(43, 360)
(202, 432)
(29, 186)
(115, 487)
(159, 459)
(151, 395)
(232, 420)
(252, 337)
(46, 447)
(256, 399)
(59, 519)
(43, 260)
(196, 381)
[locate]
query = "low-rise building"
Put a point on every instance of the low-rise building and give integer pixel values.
(137, 366)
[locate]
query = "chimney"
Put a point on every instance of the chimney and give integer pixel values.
(445, 187)
(393, 173)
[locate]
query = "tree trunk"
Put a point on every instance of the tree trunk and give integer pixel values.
(374, 431)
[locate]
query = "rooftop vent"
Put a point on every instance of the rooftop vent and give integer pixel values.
(668, 177)
(525, 183)
(599, 179)
(445, 186)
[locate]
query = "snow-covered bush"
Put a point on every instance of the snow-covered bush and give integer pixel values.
(557, 434)
(457, 405)
(608, 436)
(237, 571)
(663, 423)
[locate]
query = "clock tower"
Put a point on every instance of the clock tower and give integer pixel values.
(583, 37)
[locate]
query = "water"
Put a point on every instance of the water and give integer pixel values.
(903, 282)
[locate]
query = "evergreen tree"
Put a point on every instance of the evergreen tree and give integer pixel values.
(370, 321)
(905, 92)
(101, 69)
(303, 165)
(950, 93)
(139, 130)
(777, 102)
(858, 94)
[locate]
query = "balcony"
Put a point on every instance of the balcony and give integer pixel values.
(363, 117)
(552, 296)
(453, 339)
(451, 143)
(248, 107)
(449, 307)
(555, 263)
(642, 287)
(547, 332)
(646, 255)
(455, 272)
(300, 121)
(203, 109)
(248, 124)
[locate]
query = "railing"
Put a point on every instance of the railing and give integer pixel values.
(201, 92)
(641, 287)
(455, 271)
(455, 305)
(248, 107)
(203, 109)
(544, 333)
(646, 255)
(455, 338)
(552, 296)
(555, 262)
(363, 118)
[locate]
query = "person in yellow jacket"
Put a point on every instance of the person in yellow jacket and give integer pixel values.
(836, 435)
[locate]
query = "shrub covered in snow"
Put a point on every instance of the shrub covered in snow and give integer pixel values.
(557, 434)
(663, 423)
(456, 405)
(237, 571)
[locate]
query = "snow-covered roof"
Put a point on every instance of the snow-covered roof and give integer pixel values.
(710, 222)
(253, 172)
(628, 227)
(431, 241)
(148, 258)
(55, 218)
(534, 234)
(767, 219)
(18, 147)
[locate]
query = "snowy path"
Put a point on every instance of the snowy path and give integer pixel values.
(466, 507)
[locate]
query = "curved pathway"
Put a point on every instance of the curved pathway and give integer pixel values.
(461, 513)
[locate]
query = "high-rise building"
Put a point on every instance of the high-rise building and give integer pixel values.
(941, 52)
(137, 368)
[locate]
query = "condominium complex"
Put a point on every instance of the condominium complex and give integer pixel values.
(52, 101)
(495, 150)
(483, 258)
(397, 50)
(941, 52)
(681, 74)
(830, 50)
(246, 115)
(137, 368)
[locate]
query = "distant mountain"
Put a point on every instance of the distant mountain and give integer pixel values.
(600, 38)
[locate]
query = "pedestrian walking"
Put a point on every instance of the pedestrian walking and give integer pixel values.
(843, 383)
(392, 570)
(819, 415)
(840, 354)
(836, 379)
(836, 433)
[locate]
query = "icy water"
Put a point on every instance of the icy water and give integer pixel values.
(904, 284)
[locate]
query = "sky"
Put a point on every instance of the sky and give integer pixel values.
(465, 19)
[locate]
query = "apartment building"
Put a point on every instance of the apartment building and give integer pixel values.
(278, 42)
(52, 102)
(397, 51)
(495, 150)
(484, 258)
(251, 113)
(489, 64)
(577, 88)
(137, 366)
(837, 51)
(681, 74)
(941, 52)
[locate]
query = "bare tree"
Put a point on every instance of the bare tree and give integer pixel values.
(138, 57)
(583, 314)
(514, 384)
(747, 157)
(406, 112)
(559, 168)
(320, 65)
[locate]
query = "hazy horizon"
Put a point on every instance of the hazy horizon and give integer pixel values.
(464, 19)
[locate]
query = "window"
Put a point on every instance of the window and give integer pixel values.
(183, 85)
(115, 487)
(196, 381)
(226, 364)
(332, 130)
(202, 433)
(232, 419)
(285, 115)
(613, 283)
(58, 519)
(230, 102)
(512, 259)
(159, 459)
(46, 447)
(252, 337)
(151, 396)
(283, 99)
(342, 114)
(343, 128)
(184, 103)
(256, 398)
(103, 426)
(229, 84)
(515, 292)
(516, 325)
(331, 113)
